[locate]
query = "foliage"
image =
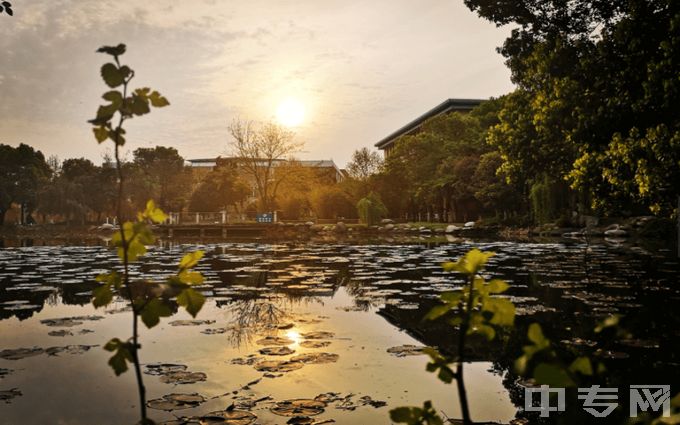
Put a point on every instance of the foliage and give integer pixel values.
(371, 209)
(218, 190)
(332, 202)
(473, 310)
(613, 135)
(148, 300)
(259, 151)
(22, 171)
(436, 170)
(364, 164)
(159, 173)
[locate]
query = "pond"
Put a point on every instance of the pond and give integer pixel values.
(316, 329)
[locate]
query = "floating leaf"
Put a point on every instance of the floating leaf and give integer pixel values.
(276, 351)
(176, 401)
(299, 407)
(315, 358)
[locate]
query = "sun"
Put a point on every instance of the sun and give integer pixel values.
(290, 112)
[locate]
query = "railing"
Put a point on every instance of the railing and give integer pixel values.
(220, 217)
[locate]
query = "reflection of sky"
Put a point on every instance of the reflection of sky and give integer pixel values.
(362, 69)
(81, 389)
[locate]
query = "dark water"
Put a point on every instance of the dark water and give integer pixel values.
(369, 297)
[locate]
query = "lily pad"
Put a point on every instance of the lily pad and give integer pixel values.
(61, 332)
(20, 353)
(214, 331)
(68, 349)
(176, 401)
(246, 361)
(315, 358)
(191, 322)
(228, 417)
(318, 335)
(314, 344)
(159, 369)
(5, 372)
(276, 366)
(183, 377)
(276, 351)
(274, 340)
(406, 350)
(299, 407)
(8, 395)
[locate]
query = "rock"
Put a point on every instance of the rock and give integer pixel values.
(386, 221)
(616, 233)
(309, 223)
(107, 226)
(589, 220)
(469, 224)
(440, 230)
(424, 229)
(451, 228)
(340, 227)
(389, 226)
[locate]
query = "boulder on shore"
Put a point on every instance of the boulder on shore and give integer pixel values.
(451, 228)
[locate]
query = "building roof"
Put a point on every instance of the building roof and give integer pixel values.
(449, 105)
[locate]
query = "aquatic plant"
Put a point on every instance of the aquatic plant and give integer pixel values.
(473, 310)
(149, 301)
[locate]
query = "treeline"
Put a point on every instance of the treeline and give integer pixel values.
(77, 191)
(593, 127)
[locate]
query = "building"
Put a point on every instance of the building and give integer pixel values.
(413, 127)
(325, 169)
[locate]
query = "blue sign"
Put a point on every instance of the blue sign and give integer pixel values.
(265, 218)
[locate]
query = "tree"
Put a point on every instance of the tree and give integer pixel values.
(364, 164)
(259, 151)
(159, 173)
(22, 172)
(371, 209)
(332, 202)
(219, 189)
(597, 95)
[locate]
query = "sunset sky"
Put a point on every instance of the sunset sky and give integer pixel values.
(359, 69)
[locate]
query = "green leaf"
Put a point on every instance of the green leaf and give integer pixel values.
(105, 112)
(115, 97)
(112, 75)
(582, 365)
(157, 100)
(497, 286)
(437, 311)
(102, 296)
(503, 311)
(190, 260)
(609, 322)
(191, 300)
(153, 311)
(535, 335)
(118, 361)
(475, 260)
(154, 214)
(100, 133)
(416, 415)
(451, 298)
(552, 375)
(482, 329)
(439, 363)
(190, 278)
(113, 51)
(139, 105)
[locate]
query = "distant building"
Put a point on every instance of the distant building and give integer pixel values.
(413, 127)
(325, 169)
